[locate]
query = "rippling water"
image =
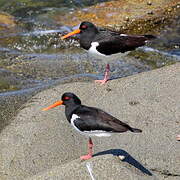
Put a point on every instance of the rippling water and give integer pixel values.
(33, 56)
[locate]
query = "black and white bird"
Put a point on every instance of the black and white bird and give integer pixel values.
(105, 43)
(90, 121)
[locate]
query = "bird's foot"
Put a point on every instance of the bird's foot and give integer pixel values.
(106, 76)
(86, 157)
(101, 81)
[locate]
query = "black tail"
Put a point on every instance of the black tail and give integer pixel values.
(135, 130)
(149, 37)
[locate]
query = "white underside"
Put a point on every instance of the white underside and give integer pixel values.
(93, 52)
(98, 133)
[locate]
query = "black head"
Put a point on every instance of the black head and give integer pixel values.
(85, 29)
(88, 27)
(69, 98)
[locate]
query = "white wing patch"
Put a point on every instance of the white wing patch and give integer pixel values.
(98, 133)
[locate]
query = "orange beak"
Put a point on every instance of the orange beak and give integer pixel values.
(77, 31)
(58, 103)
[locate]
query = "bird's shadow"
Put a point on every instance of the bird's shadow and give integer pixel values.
(128, 158)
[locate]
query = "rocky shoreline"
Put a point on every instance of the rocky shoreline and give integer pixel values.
(43, 144)
(127, 16)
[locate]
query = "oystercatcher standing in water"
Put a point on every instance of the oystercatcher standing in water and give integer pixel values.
(90, 121)
(104, 44)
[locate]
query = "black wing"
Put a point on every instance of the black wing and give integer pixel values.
(91, 119)
(113, 43)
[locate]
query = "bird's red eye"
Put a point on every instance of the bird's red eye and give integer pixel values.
(66, 98)
(83, 27)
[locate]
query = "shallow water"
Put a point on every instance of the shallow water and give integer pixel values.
(33, 54)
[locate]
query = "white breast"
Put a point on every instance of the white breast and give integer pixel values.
(94, 51)
(73, 118)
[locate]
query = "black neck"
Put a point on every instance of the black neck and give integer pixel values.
(86, 38)
(69, 110)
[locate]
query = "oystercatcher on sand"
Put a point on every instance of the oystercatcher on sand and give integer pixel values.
(90, 121)
(106, 43)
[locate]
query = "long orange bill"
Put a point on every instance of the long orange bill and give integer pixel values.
(77, 31)
(58, 103)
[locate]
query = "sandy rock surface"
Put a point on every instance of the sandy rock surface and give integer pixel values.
(102, 167)
(37, 141)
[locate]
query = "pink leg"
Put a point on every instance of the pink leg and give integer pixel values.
(178, 137)
(89, 155)
(106, 76)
